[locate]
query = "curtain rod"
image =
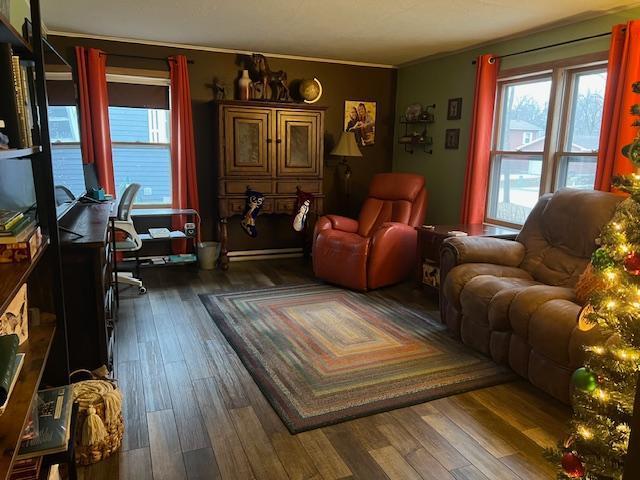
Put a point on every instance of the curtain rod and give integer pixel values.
(142, 57)
(559, 44)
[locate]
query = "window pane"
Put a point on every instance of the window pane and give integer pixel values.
(148, 165)
(515, 187)
(586, 111)
(143, 125)
(67, 168)
(577, 172)
(523, 124)
(63, 124)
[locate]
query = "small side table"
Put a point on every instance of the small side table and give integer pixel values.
(430, 240)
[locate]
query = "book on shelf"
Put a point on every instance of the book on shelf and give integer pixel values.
(8, 352)
(26, 469)
(23, 250)
(9, 218)
(18, 362)
(18, 226)
(17, 98)
(54, 423)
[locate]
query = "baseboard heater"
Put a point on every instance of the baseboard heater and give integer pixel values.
(266, 254)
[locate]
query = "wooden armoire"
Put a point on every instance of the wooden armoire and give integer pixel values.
(273, 148)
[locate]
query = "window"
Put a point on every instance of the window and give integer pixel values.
(66, 155)
(141, 152)
(546, 135)
(140, 136)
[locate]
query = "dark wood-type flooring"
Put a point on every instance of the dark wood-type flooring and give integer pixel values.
(192, 410)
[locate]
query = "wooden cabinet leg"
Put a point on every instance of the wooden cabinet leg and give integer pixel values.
(223, 260)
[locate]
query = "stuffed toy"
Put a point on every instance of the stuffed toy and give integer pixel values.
(303, 205)
(252, 208)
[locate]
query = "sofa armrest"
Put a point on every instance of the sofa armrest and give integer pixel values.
(343, 223)
(496, 251)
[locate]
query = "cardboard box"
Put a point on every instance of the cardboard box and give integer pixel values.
(15, 318)
(22, 251)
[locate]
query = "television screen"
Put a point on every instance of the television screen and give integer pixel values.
(17, 191)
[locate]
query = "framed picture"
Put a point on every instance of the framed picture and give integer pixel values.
(454, 109)
(452, 139)
(360, 118)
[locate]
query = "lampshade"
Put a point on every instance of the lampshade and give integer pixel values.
(347, 146)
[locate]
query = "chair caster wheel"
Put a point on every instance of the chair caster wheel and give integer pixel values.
(142, 290)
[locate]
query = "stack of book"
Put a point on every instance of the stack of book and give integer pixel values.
(10, 365)
(20, 237)
(18, 106)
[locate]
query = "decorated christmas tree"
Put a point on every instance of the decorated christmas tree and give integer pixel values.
(605, 387)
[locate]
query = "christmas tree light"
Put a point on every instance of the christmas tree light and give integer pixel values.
(605, 387)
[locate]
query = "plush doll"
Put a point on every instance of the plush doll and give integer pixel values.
(303, 205)
(252, 208)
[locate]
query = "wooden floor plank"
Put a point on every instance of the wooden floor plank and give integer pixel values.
(262, 457)
(324, 455)
(227, 447)
(469, 472)
(154, 379)
(468, 447)
(294, 457)
(136, 464)
(393, 464)
(185, 408)
(145, 326)
(201, 465)
(164, 445)
(427, 466)
(126, 333)
(136, 434)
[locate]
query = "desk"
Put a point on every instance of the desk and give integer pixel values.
(88, 279)
(430, 240)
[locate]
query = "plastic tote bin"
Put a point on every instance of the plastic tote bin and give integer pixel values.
(208, 254)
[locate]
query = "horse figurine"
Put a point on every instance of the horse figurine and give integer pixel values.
(265, 77)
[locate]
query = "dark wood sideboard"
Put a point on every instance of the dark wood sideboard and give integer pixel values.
(88, 281)
(273, 148)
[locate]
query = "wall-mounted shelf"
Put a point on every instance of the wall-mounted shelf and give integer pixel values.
(18, 152)
(413, 139)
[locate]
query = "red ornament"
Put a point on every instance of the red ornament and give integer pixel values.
(632, 263)
(572, 465)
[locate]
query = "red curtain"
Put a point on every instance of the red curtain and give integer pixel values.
(95, 136)
(183, 152)
(616, 131)
(476, 179)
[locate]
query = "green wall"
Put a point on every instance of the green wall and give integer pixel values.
(451, 76)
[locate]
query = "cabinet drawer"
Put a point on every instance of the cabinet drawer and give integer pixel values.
(289, 186)
(235, 206)
(285, 205)
(235, 187)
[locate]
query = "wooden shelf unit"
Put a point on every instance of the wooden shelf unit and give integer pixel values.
(16, 153)
(13, 275)
(12, 422)
(46, 358)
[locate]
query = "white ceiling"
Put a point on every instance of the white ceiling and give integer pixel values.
(373, 31)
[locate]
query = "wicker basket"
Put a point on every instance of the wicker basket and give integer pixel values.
(100, 425)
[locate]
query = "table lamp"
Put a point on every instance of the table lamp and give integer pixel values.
(346, 147)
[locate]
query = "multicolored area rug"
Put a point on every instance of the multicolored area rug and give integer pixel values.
(322, 355)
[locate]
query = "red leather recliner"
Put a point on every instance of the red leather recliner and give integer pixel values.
(380, 247)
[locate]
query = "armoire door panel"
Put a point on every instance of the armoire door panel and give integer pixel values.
(248, 142)
(298, 144)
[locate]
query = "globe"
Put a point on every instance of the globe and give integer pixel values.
(310, 90)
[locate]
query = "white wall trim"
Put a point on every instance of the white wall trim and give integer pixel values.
(267, 251)
(185, 46)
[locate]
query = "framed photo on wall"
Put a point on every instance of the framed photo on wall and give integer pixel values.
(452, 139)
(360, 118)
(454, 109)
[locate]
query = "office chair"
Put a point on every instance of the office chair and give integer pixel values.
(132, 243)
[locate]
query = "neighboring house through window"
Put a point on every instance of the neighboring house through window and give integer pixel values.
(546, 134)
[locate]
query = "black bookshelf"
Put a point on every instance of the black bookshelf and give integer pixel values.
(46, 349)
